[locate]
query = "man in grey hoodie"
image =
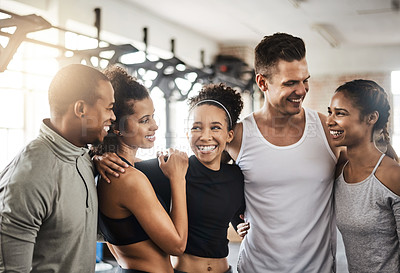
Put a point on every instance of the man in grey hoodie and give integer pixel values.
(48, 200)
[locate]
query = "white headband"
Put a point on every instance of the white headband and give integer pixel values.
(220, 104)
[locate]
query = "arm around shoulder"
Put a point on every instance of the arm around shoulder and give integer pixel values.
(233, 148)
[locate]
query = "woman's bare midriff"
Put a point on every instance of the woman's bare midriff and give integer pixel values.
(190, 263)
(145, 256)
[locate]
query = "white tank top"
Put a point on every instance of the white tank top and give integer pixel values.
(288, 193)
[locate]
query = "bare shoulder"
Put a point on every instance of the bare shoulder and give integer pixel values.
(133, 178)
(132, 188)
(125, 194)
(122, 191)
(389, 174)
(233, 148)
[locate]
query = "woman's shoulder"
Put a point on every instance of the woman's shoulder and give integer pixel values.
(389, 174)
(132, 172)
(131, 178)
(232, 170)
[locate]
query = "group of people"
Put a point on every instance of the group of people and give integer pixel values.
(296, 175)
(134, 207)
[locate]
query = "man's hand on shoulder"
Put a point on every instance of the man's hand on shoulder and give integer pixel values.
(109, 163)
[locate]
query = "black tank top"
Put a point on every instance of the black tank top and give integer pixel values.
(128, 230)
(214, 198)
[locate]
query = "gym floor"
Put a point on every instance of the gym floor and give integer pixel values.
(341, 263)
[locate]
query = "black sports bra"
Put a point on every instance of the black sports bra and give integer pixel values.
(127, 230)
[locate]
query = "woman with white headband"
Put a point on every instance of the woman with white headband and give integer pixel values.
(214, 189)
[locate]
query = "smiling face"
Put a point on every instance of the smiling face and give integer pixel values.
(99, 116)
(346, 126)
(138, 130)
(288, 87)
(209, 134)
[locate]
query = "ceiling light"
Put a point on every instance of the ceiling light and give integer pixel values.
(326, 33)
(296, 3)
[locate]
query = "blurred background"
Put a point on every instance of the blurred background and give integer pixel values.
(175, 46)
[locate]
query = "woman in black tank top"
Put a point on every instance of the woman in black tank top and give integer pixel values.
(139, 231)
(214, 189)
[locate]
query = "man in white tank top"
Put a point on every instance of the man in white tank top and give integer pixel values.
(288, 165)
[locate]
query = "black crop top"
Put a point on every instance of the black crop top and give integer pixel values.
(214, 198)
(128, 230)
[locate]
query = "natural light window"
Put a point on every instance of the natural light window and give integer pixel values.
(23, 91)
(24, 85)
(396, 110)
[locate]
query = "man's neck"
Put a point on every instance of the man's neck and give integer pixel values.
(280, 129)
(67, 129)
(276, 119)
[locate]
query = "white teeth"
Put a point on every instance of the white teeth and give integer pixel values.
(335, 133)
(206, 148)
(295, 100)
(150, 137)
(106, 128)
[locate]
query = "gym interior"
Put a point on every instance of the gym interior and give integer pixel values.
(174, 47)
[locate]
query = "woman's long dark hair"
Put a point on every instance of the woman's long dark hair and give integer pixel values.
(368, 96)
(126, 92)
